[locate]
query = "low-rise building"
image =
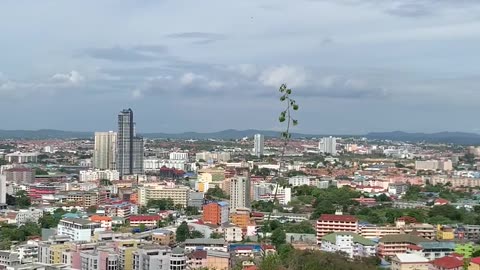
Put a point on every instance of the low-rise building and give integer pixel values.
(335, 223)
(350, 243)
(78, 229)
(205, 244)
(148, 221)
(233, 233)
(409, 262)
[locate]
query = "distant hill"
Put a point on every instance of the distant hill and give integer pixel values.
(59, 134)
(463, 138)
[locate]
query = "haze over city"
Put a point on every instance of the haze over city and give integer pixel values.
(354, 66)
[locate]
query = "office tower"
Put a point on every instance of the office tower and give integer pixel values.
(328, 145)
(104, 154)
(240, 192)
(129, 146)
(258, 145)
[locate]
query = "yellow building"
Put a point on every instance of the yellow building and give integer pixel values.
(445, 233)
(125, 251)
(241, 218)
(155, 191)
(51, 253)
(218, 260)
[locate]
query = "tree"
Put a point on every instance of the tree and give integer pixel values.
(92, 209)
(142, 227)
(196, 234)
(216, 235)
(216, 193)
(22, 200)
(182, 233)
(162, 204)
(191, 211)
(3, 162)
(39, 171)
(278, 237)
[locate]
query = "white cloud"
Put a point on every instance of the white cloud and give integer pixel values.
(290, 75)
(189, 78)
(215, 84)
(74, 77)
(137, 93)
(247, 70)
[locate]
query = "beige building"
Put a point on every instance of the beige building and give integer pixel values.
(154, 191)
(218, 260)
(433, 165)
(409, 262)
(104, 150)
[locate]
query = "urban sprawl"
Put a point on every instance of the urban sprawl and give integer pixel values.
(120, 201)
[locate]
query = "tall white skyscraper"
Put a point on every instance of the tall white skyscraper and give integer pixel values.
(3, 189)
(104, 154)
(328, 145)
(240, 192)
(258, 144)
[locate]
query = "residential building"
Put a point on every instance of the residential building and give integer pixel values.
(328, 145)
(101, 258)
(147, 221)
(3, 189)
(104, 153)
(20, 175)
(196, 199)
(433, 165)
(328, 223)
(129, 160)
(474, 264)
(105, 221)
(179, 194)
(163, 237)
(216, 213)
(445, 233)
(51, 253)
(219, 260)
(19, 157)
(178, 156)
(178, 259)
(9, 259)
(350, 243)
(78, 229)
(409, 262)
(233, 233)
(197, 259)
(94, 175)
(302, 241)
(299, 180)
(447, 263)
(241, 217)
(240, 192)
(28, 215)
(205, 244)
(258, 145)
(152, 257)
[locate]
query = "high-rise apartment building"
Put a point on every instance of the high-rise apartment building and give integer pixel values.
(258, 145)
(129, 146)
(240, 192)
(3, 189)
(328, 145)
(104, 154)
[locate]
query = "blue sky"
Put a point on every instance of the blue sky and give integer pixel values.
(354, 65)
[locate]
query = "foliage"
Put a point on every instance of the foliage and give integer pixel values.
(51, 221)
(182, 233)
(216, 192)
(263, 206)
(105, 182)
(191, 211)
(216, 235)
(92, 209)
(3, 162)
(196, 234)
(10, 199)
(39, 171)
(162, 204)
(22, 199)
(278, 237)
(302, 227)
(291, 259)
(10, 233)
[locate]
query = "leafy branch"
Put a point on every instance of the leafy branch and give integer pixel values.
(285, 117)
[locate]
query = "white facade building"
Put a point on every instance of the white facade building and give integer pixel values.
(233, 234)
(350, 243)
(78, 229)
(28, 215)
(299, 180)
(258, 145)
(3, 189)
(240, 193)
(155, 164)
(328, 145)
(178, 156)
(104, 153)
(94, 175)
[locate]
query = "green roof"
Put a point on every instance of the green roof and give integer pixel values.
(405, 238)
(356, 238)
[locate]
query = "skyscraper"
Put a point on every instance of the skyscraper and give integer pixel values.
(328, 145)
(129, 146)
(240, 191)
(104, 154)
(3, 190)
(258, 145)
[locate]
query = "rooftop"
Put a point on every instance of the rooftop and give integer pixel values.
(448, 262)
(406, 238)
(204, 241)
(356, 238)
(343, 218)
(411, 258)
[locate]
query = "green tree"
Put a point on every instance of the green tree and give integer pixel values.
(191, 211)
(278, 237)
(22, 199)
(216, 193)
(196, 234)
(183, 233)
(216, 235)
(3, 162)
(142, 227)
(92, 209)
(162, 204)
(39, 171)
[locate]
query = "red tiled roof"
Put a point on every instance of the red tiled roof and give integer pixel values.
(256, 214)
(265, 247)
(441, 201)
(344, 218)
(251, 267)
(198, 254)
(448, 262)
(475, 260)
(144, 218)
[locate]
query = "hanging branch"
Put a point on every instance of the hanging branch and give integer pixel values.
(285, 116)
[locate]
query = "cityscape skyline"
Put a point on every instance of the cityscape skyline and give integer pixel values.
(345, 60)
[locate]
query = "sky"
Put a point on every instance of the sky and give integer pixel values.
(354, 66)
